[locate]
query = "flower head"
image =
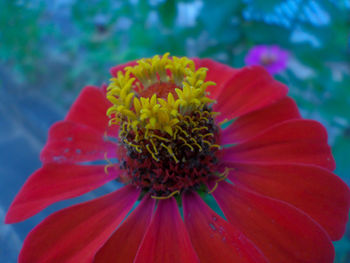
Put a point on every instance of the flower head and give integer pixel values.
(273, 58)
(162, 119)
(166, 125)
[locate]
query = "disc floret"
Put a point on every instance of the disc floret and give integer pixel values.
(167, 130)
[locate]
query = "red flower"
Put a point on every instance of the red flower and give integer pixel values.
(270, 171)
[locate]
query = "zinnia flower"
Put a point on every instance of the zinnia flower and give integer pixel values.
(273, 58)
(269, 170)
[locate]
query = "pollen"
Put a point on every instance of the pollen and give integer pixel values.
(157, 112)
(167, 131)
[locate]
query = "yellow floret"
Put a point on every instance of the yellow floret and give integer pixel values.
(157, 113)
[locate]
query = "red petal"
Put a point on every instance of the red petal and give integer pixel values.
(318, 192)
(294, 141)
(73, 142)
(217, 72)
(166, 239)
(256, 122)
(214, 239)
(248, 90)
(114, 70)
(282, 232)
(53, 183)
(75, 234)
(123, 244)
(90, 109)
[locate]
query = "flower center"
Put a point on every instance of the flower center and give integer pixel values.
(168, 137)
(268, 58)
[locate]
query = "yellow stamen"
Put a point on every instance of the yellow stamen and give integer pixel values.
(214, 188)
(203, 113)
(146, 133)
(223, 122)
(175, 134)
(170, 152)
(186, 144)
(185, 133)
(160, 138)
(166, 197)
(110, 164)
(114, 121)
(137, 136)
(153, 155)
(106, 168)
(204, 118)
(223, 176)
(189, 118)
(154, 146)
(160, 101)
(206, 135)
(137, 147)
(106, 158)
(155, 113)
(195, 143)
(215, 146)
(187, 123)
(199, 129)
(207, 142)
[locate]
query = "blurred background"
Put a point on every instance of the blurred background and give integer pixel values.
(50, 49)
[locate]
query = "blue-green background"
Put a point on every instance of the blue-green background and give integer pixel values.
(50, 49)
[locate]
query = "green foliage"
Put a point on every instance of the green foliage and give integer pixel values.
(19, 36)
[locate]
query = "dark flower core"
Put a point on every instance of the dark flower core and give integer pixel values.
(169, 140)
(180, 163)
(268, 59)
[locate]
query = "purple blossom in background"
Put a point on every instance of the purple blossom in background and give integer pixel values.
(273, 58)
